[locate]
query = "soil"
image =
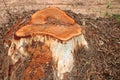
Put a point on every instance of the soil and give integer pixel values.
(100, 62)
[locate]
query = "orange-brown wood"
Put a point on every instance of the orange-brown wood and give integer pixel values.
(57, 31)
(36, 67)
(41, 17)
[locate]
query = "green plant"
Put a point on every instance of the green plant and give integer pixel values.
(107, 14)
(108, 4)
(116, 16)
(108, 7)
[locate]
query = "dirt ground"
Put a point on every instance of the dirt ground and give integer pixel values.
(89, 7)
(100, 62)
